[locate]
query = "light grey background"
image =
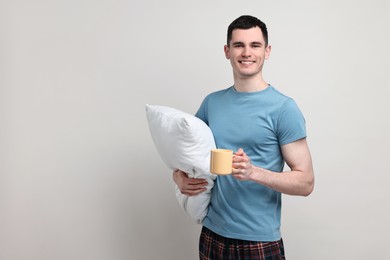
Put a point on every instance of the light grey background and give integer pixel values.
(80, 178)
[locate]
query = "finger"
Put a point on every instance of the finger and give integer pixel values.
(195, 186)
(239, 152)
(197, 182)
(236, 172)
(240, 165)
(240, 158)
(193, 192)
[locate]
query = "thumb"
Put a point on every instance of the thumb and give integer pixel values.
(240, 152)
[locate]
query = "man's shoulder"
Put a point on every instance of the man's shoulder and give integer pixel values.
(277, 93)
(217, 94)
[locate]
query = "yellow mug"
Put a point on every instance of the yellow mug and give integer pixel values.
(221, 162)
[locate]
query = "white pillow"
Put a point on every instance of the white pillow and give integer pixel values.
(183, 142)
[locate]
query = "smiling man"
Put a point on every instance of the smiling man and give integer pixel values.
(266, 129)
(247, 50)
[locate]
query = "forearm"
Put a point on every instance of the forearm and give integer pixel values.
(292, 182)
(298, 181)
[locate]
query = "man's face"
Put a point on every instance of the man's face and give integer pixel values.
(247, 52)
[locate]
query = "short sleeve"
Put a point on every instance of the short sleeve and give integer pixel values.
(291, 123)
(201, 113)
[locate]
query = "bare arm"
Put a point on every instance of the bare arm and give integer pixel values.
(188, 186)
(298, 181)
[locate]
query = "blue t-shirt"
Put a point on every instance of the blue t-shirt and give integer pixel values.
(260, 123)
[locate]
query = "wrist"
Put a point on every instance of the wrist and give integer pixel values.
(254, 171)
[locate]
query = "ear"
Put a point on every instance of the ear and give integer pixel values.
(227, 51)
(267, 51)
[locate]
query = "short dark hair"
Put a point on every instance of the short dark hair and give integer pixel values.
(247, 22)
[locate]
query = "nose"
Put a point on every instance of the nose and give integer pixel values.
(245, 52)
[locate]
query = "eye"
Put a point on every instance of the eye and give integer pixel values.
(256, 45)
(238, 44)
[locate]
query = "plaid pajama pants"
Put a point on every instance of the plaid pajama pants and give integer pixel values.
(215, 247)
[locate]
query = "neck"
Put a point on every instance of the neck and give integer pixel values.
(250, 85)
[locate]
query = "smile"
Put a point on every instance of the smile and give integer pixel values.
(246, 62)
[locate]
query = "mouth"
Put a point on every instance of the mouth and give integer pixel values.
(246, 62)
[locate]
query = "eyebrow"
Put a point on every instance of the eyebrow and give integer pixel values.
(237, 43)
(258, 43)
(241, 43)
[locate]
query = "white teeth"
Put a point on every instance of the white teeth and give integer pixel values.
(246, 62)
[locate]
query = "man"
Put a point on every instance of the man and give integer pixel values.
(266, 129)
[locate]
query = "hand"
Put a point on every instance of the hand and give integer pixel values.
(242, 165)
(188, 186)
